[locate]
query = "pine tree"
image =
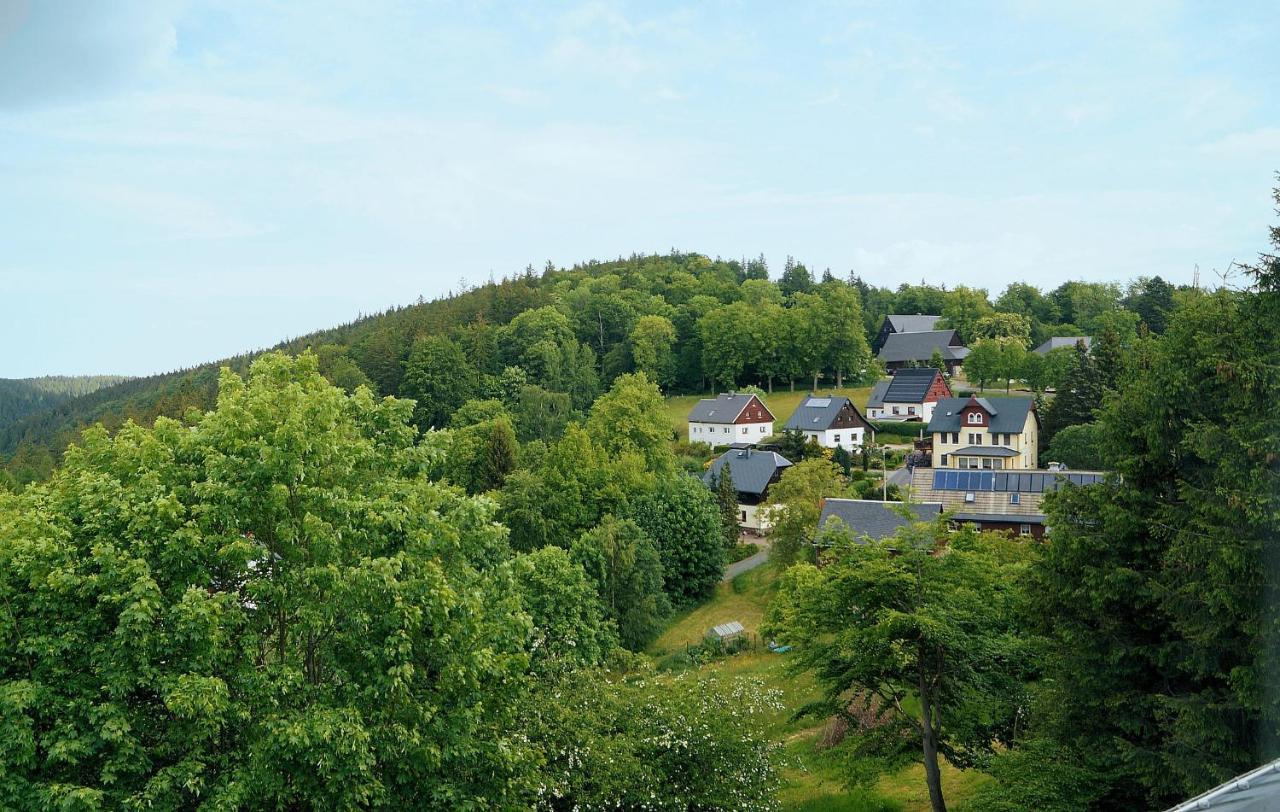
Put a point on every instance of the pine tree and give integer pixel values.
(727, 502)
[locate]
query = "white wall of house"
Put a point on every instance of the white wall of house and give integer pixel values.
(727, 433)
(753, 517)
(903, 411)
(848, 439)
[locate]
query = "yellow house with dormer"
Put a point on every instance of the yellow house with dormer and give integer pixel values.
(985, 433)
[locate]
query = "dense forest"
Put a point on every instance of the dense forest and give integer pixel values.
(25, 396)
(551, 341)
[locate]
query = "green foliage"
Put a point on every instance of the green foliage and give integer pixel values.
(1156, 593)
(1079, 394)
(653, 349)
(682, 518)
(1081, 446)
(927, 615)
(253, 611)
(439, 379)
(630, 419)
(540, 414)
(796, 508)
(569, 622)
(642, 741)
(727, 505)
(624, 566)
(1003, 325)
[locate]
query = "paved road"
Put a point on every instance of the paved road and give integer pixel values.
(738, 567)
(900, 477)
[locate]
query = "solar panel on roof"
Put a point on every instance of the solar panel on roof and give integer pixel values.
(939, 478)
(819, 403)
(987, 480)
(1001, 482)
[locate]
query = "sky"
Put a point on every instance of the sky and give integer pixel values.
(181, 180)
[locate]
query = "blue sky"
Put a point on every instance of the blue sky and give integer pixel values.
(180, 181)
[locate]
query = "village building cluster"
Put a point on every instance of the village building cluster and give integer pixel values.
(976, 457)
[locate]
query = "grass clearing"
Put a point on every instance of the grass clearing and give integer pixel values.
(813, 779)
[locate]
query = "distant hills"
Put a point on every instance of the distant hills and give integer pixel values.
(20, 397)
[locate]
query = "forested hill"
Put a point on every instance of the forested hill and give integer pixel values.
(20, 397)
(553, 339)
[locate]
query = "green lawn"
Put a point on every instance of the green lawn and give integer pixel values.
(782, 403)
(813, 779)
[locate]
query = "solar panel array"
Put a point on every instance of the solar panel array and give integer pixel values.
(909, 385)
(819, 403)
(1009, 481)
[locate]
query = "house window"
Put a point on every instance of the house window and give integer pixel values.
(836, 437)
(1024, 529)
(944, 460)
(986, 462)
(895, 409)
(726, 429)
(975, 418)
(762, 429)
(744, 429)
(1015, 498)
(744, 517)
(911, 410)
(969, 497)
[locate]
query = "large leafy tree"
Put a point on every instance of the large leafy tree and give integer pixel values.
(631, 418)
(256, 610)
(624, 566)
(682, 518)
(570, 626)
(439, 378)
(653, 342)
(797, 506)
(920, 631)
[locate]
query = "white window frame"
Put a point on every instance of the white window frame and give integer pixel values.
(975, 418)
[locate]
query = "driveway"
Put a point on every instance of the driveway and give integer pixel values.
(751, 562)
(900, 477)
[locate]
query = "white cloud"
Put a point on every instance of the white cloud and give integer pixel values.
(55, 50)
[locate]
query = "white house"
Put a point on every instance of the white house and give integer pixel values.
(833, 421)
(729, 418)
(910, 394)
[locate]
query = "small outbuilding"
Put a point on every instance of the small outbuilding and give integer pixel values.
(726, 631)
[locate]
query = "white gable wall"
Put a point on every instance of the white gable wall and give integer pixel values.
(727, 433)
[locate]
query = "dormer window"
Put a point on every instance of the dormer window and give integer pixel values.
(975, 418)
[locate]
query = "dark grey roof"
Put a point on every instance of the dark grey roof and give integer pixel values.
(877, 394)
(1009, 417)
(912, 324)
(1007, 518)
(751, 469)
(1059, 342)
(877, 520)
(910, 385)
(920, 346)
(723, 408)
(1030, 481)
(984, 451)
(816, 413)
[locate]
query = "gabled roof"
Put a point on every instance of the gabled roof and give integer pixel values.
(1059, 342)
(818, 413)
(724, 408)
(878, 391)
(1006, 414)
(877, 520)
(751, 469)
(911, 324)
(910, 385)
(920, 346)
